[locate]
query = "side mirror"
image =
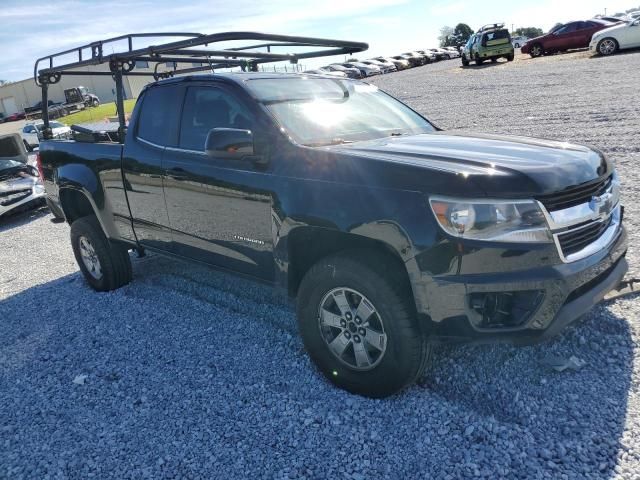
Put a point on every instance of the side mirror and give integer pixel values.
(636, 23)
(231, 143)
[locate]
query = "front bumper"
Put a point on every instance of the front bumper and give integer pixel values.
(567, 291)
(19, 192)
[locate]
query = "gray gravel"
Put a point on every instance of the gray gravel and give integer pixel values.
(189, 373)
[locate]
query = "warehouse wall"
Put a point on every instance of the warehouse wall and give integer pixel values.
(26, 93)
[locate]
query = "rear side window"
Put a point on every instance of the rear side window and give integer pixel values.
(206, 108)
(568, 28)
(157, 120)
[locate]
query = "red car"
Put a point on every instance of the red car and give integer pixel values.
(15, 116)
(565, 37)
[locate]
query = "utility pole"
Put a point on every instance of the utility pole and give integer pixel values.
(605, 11)
(512, 29)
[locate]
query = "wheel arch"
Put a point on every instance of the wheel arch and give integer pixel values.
(307, 245)
(75, 204)
(614, 39)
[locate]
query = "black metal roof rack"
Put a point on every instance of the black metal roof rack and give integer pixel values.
(180, 49)
(490, 26)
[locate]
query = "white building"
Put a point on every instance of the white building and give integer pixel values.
(14, 97)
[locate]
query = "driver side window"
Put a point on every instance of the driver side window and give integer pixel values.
(206, 108)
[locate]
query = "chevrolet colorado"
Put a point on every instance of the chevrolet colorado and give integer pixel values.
(388, 232)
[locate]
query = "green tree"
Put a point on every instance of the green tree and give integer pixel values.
(461, 34)
(445, 33)
(529, 32)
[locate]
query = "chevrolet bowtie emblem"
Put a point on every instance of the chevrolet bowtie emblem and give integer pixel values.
(601, 205)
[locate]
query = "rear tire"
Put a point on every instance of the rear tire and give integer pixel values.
(510, 57)
(479, 60)
(328, 303)
(607, 46)
(465, 61)
(494, 60)
(105, 266)
(536, 50)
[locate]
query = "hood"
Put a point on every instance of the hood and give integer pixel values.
(12, 148)
(613, 28)
(498, 166)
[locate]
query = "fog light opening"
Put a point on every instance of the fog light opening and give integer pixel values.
(504, 309)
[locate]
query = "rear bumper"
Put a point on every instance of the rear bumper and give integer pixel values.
(562, 293)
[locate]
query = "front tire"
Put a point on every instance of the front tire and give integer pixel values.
(105, 266)
(536, 50)
(479, 60)
(465, 61)
(510, 57)
(95, 102)
(607, 46)
(358, 324)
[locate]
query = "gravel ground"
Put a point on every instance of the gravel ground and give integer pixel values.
(189, 373)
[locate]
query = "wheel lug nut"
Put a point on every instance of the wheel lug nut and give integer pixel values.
(362, 331)
(358, 320)
(348, 316)
(356, 338)
(347, 335)
(343, 324)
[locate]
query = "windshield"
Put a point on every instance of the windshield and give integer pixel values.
(322, 111)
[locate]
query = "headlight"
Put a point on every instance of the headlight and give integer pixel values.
(492, 220)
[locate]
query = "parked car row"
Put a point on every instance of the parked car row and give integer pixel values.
(603, 35)
(381, 65)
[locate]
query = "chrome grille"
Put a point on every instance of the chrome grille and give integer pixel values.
(577, 239)
(573, 196)
(9, 198)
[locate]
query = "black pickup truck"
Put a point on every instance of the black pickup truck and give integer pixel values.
(388, 232)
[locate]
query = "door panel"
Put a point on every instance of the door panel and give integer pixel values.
(629, 36)
(142, 164)
(220, 210)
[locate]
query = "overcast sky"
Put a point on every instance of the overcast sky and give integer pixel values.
(33, 28)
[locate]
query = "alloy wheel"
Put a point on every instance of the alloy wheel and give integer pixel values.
(607, 46)
(90, 258)
(352, 328)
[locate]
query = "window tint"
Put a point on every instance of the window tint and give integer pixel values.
(568, 28)
(142, 64)
(206, 108)
(28, 129)
(497, 35)
(582, 25)
(157, 118)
